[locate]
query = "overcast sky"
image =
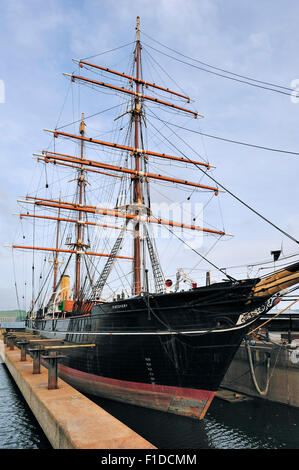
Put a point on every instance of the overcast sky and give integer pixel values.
(256, 39)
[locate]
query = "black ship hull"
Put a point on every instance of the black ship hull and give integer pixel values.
(164, 351)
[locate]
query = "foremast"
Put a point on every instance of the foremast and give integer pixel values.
(80, 223)
(56, 253)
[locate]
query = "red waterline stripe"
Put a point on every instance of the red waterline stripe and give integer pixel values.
(164, 389)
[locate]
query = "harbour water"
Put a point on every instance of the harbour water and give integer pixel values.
(254, 424)
(18, 427)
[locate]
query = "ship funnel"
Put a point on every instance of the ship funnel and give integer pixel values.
(65, 287)
(278, 281)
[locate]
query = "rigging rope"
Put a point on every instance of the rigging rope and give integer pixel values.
(224, 76)
(199, 254)
(271, 149)
(237, 198)
(217, 68)
(90, 116)
(16, 287)
(106, 52)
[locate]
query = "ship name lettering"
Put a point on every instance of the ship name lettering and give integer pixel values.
(120, 306)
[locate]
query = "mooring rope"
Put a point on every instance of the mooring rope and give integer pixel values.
(252, 372)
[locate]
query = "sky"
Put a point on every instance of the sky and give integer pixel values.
(259, 40)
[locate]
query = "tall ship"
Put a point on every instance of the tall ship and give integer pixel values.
(162, 339)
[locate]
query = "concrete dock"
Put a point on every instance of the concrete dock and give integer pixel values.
(69, 419)
(267, 370)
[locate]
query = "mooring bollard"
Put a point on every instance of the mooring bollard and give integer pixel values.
(5, 338)
(52, 360)
(11, 343)
(23, 345)
(36, 353)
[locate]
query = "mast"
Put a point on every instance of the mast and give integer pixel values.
(136, 210)
(56, 252)
(79, 243)
(136, 184)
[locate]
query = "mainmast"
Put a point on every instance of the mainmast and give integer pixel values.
(79, 243)
(137, 199)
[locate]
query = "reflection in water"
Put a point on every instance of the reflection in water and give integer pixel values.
(254, 424)
(18, 427)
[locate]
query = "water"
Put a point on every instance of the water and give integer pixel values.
(18, 426)
(255, 424)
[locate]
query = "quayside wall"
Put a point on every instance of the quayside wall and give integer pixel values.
(69, 419)
(266, 370)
